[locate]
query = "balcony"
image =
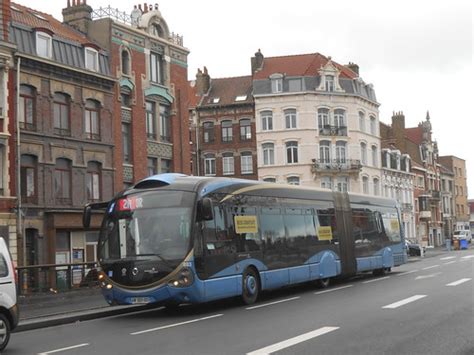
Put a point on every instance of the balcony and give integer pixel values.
(336, 166)
(425, 214)
(407, 207)
(333, 131)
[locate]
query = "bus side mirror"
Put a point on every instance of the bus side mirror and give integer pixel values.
(86, 216)
(206, 209)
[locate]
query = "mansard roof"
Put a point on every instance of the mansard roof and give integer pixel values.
(299, 65)
(227, 90)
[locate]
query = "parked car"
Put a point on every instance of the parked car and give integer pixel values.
(9, 314)
(464, 234)
(414, 249)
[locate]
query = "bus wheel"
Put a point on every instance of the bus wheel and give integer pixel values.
(250, 286)
(323, 283)
(379, 272)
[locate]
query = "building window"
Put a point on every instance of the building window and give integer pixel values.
(277, 85)
(326, 182)
(373, 125)
(92, 120)
(342, 184)
(376, 187)
(340, 118)
(245, 130)
(290, 118)
(126, 142)
(292, 152)
(226, 129)
(325, 152)
(293, 180)
(268, 153)
(156, 68)
(92, 59)
(363, 153)
(150, 120)
(27, 108)
(209, 165)
(362, 121)
(165, 124)
(43, 45)
(208, 132)
(341, 152)
(61, 106)
(269, 180)
(93, 181)
(28, 178)
(323, 118)
(125, 62)
(329, 82)
(246, 163)
(62, 181)
(267, 120)
(165, 166)
(365, 185)
(228, 164)
(152, 166)
(375, 156)
(2, 169)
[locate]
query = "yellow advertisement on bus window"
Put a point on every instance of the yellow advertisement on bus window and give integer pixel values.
(325, 233)
(394, 224)
(245, 224)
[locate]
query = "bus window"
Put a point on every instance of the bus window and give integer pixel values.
(295, 227)
(216, 238)
(327, 229)
(391, 226)
(245, 228)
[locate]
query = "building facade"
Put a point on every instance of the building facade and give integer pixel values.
(8, 200)
(150, 106)
(65, 116)
(316, 123)
(447, 200)
(224, 134)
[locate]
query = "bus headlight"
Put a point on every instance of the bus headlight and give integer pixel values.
(184, 278)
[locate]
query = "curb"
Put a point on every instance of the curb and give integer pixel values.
(66, 318)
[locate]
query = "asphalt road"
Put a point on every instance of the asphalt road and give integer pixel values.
(423, 307)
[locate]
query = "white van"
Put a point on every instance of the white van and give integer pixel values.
(9, 314)
(464, 234)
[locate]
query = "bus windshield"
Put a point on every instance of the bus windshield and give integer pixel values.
(150, 226)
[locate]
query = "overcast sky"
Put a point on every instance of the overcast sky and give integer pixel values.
(417, 54)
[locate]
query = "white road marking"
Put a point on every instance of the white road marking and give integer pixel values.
(404, 302)
(407, 272)
(447, 258)
(374, 280)
(293, 341)
(430, 267)
(64, 349)
(467, 257)
(272, 303)
(176, 324)
(458, 282)
(421, 277)
(332, 289)
(450, 262)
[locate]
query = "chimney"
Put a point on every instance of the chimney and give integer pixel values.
(256, 62)
(354, 67)
(78, 15)
(5, 14)
(203, 82)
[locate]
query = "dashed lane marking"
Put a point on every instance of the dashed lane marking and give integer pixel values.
(430, 267)
(407, 272)
(458, 282)
(332, 289)
(272, 303)
(64, 349)
(374, 280)
(404, 301)
(176, 324)
(448, 257)
(450, 262)
(293, 341)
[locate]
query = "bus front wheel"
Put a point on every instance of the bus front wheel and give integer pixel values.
(250, 286)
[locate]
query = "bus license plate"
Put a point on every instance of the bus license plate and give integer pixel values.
(140, 300)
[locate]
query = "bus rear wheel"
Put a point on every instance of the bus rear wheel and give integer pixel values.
(250, 286)
(323, 283)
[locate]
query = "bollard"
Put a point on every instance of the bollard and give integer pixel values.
(448, 244)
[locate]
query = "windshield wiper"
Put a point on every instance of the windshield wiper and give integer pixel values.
(167, 262)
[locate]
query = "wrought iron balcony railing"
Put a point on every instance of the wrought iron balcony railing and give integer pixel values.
(334, 165)
(333, 130)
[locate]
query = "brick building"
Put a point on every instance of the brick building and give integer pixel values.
(417, 142)
(150, 108)
(65, 117)
(8, 201)
(224, 126)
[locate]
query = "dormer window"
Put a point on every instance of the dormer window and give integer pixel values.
(329, 83)
(91, 59)
(215, 100)
(156, 30)
(241, 98)
(43, 45)
(277, 83)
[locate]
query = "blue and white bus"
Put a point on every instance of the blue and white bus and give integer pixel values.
(176, 239)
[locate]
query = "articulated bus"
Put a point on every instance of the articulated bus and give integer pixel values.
(177, 239)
